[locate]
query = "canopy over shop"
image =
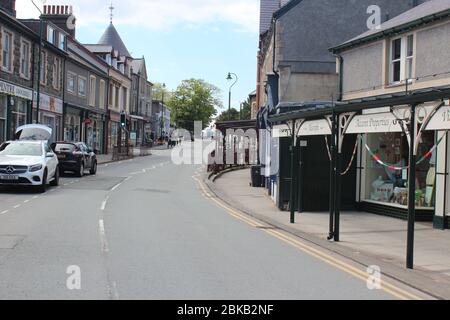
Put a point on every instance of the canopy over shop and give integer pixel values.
(411, 165)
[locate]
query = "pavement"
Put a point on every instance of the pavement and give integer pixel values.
(366, 238)
(146, 228)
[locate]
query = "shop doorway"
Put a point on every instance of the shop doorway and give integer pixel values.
(50, 122)
(314, 176)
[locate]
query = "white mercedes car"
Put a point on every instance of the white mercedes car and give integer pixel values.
(29, 160)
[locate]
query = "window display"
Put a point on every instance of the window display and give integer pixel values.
(2, 118)
(387, 169)
(18, 115)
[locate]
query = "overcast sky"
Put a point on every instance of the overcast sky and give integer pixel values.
(180, 39)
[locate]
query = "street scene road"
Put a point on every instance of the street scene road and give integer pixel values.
(146, 229)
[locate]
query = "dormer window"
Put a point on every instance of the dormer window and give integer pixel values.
(51, 34)
(62, 42)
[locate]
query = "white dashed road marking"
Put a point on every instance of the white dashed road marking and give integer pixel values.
(4, 212)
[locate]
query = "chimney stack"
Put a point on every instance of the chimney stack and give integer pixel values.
(9, 6)
(62, 16)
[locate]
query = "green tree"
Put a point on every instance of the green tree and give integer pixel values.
(194, 100)
(224, 116)
(158, 91)
(246, 112)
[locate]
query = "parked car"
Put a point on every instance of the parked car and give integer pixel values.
(75, 157)
(29, 160)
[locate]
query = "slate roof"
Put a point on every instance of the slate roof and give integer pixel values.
(423, 13)
(112, 38)
(137, 65)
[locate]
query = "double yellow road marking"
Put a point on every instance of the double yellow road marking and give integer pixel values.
(358, 273)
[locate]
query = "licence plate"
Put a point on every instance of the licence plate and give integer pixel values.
(61, 156)
(9, 177)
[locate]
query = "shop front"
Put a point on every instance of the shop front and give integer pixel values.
(15, 104)
(94, 126)
(113, 130)
(51, 114)
(383, 163)
(72, 125)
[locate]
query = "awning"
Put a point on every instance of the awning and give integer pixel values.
(313, 110)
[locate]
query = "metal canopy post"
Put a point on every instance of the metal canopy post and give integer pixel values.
(332, 173)
(293, 149)
(411, 190)
(337, 179)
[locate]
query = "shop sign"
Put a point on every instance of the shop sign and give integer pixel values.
(16, 91)
(315, 128)
(87, 121)
(441, 120)
(48, 103)
(374, 123)
(281, 131)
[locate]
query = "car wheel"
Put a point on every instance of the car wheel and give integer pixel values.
(80, 172)
(93, 170)
(55, 181)
(43, 187)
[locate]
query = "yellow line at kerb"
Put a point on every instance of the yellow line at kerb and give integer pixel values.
(360, 274)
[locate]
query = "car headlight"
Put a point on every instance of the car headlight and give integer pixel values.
(35, 168)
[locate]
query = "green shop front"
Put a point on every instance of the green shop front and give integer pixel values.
(15, 108)
(371, 169)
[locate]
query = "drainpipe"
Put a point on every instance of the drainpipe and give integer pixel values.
(274, 22)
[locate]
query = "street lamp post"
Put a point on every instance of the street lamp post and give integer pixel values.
(38, 90)
(162, 109)
(229, 78)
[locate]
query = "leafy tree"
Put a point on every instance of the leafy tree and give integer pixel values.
(158, 90)
(194, 100)
(246, 113)
(224, 116)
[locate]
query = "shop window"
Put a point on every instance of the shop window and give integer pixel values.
(18, 115)
(7, 51)
(25, 59)
(387, 170)
(3, 101)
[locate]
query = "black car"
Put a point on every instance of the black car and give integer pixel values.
(75, 157)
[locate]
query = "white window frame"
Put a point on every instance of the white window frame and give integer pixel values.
(92, 90)
(101, 98)
(62, 40)
(56, 68)
(27, 73)
(410, 58)
(75, 80)
(10, 67)
(51, 34)
(80, 79)
(404, 58)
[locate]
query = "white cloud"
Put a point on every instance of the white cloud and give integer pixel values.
(158, 14)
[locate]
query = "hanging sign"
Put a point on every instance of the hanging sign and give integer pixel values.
(374, 123)
(281, 131)
(315, 128)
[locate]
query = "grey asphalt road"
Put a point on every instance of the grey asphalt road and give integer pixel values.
(142, 229)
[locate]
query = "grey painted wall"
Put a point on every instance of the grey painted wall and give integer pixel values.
(309, 29)
(433, 52)
(363, 68)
